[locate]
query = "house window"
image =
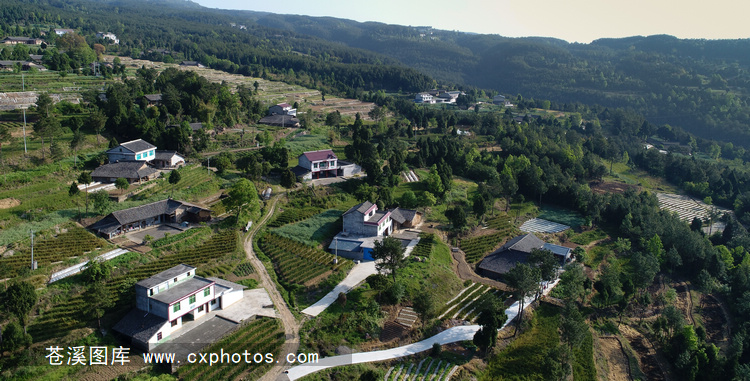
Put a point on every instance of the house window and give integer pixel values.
(151, 292)
(192, 299)
(175, 280)
(200, 309)
(315, 165)
(138, 156)
(188, 273)
(176, 307)
(207, 292)
(174, 323)
(158, 336)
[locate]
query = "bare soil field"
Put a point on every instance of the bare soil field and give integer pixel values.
(647, 358)
(609, 187)
(8, 203)
(619, 368)
(715, 322)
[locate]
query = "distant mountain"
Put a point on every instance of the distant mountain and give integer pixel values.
(700, 85)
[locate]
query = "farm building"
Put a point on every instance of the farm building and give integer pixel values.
(171, 297)
(280, 121)
(282, 109)
(168, 159)
(10, 40)
(155, 213)
(323, 163)
(364, 224)
(133, 171)
(516, 251)
(134, 150)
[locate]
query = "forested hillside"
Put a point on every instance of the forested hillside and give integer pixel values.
(699, 85)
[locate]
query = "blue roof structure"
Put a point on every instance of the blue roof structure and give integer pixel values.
(557, 249)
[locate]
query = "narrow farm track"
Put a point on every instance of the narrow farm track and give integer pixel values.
(291, 326)
(465, 272)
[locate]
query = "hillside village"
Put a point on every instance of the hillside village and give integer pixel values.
(168, 206)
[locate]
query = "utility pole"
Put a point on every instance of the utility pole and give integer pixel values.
(23, 81)
(25, 153)
(336, 257)
(32, 251)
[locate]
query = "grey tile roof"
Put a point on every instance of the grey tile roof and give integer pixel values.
(376, 217)
(153, 97)
(132, 170)
(139, 213)
(166, 155)
(134, 146)
(182, 289)
(362, 208)
(501, 262)
(402, 215)
(280, 120)
(140, 325)
(523, 243)
(165, 275)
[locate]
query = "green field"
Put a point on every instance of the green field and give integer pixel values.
(314, 230)
(562, 216)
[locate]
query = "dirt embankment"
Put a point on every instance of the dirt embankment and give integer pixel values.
(617, 361)
(8, 203)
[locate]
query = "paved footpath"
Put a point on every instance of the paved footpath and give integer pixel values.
(450, 335)
(357, 275)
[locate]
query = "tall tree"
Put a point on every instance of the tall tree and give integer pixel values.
(20, 299)
(85, 178)
(122, 184)
(389, 255)
(241, 193)
(75, 143)
(72, 192)
(174, 179)
(523, 279)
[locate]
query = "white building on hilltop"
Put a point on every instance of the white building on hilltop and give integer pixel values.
(170, 298)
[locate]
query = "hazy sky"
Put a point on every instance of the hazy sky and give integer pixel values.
(571, 20)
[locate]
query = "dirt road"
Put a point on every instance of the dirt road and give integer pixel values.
(291, 326)
(464, 272)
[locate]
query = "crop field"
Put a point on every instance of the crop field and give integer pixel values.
(297, 263)
(189, 236)
(72, 243)
(466, 304)
(562, 216)
(68, 315)
(196, 182)
(314, 230)
(263, 336)
(69, 87)
(424, 247)
(428, 369)
(477, 247)
(292, 215)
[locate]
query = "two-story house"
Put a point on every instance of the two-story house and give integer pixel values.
(424, 98)
(323, 163)
(134, 150)
(364, 224)
(365, 220)
(282, 109)
(171, 298)
(108, 36)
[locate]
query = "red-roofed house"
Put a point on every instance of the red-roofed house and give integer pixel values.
(282, 109)
(323, 163)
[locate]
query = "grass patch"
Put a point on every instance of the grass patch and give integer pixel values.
(314, 230)
(584, 367)
(562, 216)
(521, 360)
(589, 236)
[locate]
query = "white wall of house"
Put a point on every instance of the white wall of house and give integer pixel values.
(190, 302)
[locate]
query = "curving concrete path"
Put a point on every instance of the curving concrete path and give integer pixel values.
(450, 335)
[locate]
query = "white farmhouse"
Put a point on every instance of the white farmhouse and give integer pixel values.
(168, 299)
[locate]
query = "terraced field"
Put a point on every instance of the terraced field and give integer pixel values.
(66, 316)
(477, 247)
(297, 263)
(72, 243)
(466, 305)
(428, 369)
(262, 336)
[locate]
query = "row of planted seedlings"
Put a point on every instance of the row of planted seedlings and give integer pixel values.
(294, 215)
(263, 335)
(62, 318)
(72, 243)
(295, 262)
